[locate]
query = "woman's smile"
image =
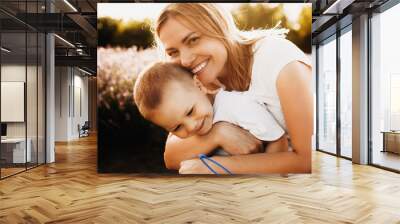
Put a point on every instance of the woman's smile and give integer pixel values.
(200, 67)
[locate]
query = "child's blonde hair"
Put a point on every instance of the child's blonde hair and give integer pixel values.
(213, 21)
(151, 82)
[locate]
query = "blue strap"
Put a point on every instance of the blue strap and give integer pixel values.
(204, 157)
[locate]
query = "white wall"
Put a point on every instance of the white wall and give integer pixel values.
(80, 83)
(61, 103)
(71, 87)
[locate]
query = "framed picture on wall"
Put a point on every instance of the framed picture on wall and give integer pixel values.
(12, 101)
(190, 88)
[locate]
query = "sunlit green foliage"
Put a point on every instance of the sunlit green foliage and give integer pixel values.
(114, 33)
(248, 16)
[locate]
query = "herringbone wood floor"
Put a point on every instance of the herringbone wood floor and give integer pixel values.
(71, 191)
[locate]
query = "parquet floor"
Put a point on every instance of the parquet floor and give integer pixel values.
(9, 171)
(71, 191)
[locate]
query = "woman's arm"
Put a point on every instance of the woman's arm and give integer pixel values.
(259, 163)
(295, 94)
(294, 87)
(231, 138)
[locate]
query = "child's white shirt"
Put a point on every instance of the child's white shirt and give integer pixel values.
(239, 109)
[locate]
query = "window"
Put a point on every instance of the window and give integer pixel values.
(385, 89)
(327, 96)
(346, 93)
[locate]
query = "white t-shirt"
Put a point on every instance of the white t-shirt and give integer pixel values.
(239, 109)
(271, 54)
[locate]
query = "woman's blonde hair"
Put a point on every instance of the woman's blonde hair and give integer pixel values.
(212, 20)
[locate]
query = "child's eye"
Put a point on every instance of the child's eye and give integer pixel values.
(177, 128)
(190, 112)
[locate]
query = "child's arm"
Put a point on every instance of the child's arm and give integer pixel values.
(177, 149)
(280, 145)
(231, 138)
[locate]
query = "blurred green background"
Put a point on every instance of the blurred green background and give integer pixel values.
(117, 33)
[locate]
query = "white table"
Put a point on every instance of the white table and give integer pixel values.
(18, 149)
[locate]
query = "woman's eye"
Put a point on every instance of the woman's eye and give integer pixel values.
(173, 54)
(194, 40)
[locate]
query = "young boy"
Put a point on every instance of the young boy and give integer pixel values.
(167, 95)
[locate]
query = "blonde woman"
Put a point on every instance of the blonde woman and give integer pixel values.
(203, 38)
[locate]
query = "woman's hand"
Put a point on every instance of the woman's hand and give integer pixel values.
(193, 166)
(235, 140)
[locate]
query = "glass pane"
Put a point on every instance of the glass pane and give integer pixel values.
(22, 67)
(386, 89)
(346, 94)
(327, 97)
(31, 84)
(13, 85)
(314, 65)
(41, 98)
(31, 101)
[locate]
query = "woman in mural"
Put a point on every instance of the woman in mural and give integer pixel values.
(204, 39)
